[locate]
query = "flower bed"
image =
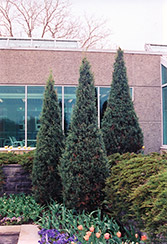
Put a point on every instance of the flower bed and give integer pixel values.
(60, 225)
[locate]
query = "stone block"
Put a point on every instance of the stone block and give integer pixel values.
(16, 180)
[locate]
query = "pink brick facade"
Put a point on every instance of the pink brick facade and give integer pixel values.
(18, 66)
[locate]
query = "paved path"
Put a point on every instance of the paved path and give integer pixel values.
(9, 238)
(19, 234)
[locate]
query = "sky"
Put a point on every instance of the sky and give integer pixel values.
(133, 22)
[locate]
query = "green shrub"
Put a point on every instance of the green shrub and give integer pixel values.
(120, 126)
(83, 166)
(150, 203)
(117, 157)
(26, 161)
(132, 189)
(9, 158)
(50, 143)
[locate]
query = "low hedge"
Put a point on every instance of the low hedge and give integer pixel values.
(25, 159)
(136, 191)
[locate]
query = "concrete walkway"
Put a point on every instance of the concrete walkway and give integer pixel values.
(28, 234)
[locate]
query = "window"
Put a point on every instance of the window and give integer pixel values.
(164, 102)
(164, 74)
(34, 108)
(104, 93)
(35, 96)
(21, 107)
(12, 116)
(69, 102)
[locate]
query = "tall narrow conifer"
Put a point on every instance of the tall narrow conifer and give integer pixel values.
(83, 167)
(45, 177)
(120, 126)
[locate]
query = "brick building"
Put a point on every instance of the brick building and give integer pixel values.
(25, 65)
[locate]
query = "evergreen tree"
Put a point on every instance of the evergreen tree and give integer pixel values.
(83, 167)
(45, 177)
(120, 127)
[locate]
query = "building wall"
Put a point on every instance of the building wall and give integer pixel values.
(143, 70)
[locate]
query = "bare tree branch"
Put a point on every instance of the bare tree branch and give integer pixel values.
(94, 31)
(7, 17)
(28, 13)
(64, 27)
(50, 9)
(56, 12)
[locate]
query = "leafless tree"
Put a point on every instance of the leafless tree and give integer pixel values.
(94, 32)
(6, 18)
(51, 18)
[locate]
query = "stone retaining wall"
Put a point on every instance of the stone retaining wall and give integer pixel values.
(16, 180)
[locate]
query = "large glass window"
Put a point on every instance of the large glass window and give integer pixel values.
(164, 74)
(104, 93)
(35, 96)
(164, 102)
(164, 96)
(69, 102)
(34, 108)
(131, 92)
(12, 116)
(21, 107)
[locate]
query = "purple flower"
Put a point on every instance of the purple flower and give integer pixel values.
(53, 236)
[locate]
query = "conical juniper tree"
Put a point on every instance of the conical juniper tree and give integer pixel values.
(120, 126)
(83, 167)
(50, 143)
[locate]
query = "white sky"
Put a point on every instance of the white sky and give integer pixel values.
(133, 22)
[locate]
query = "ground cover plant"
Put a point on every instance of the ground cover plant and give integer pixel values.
(150, 203)
(24, 159)
(136, 191)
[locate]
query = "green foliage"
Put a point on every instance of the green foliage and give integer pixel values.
(120, 127)
(136, 191)
(20, 206)
(150, 203)
(45, 178)
(83, 167)
(9, 158)
(26, 160)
